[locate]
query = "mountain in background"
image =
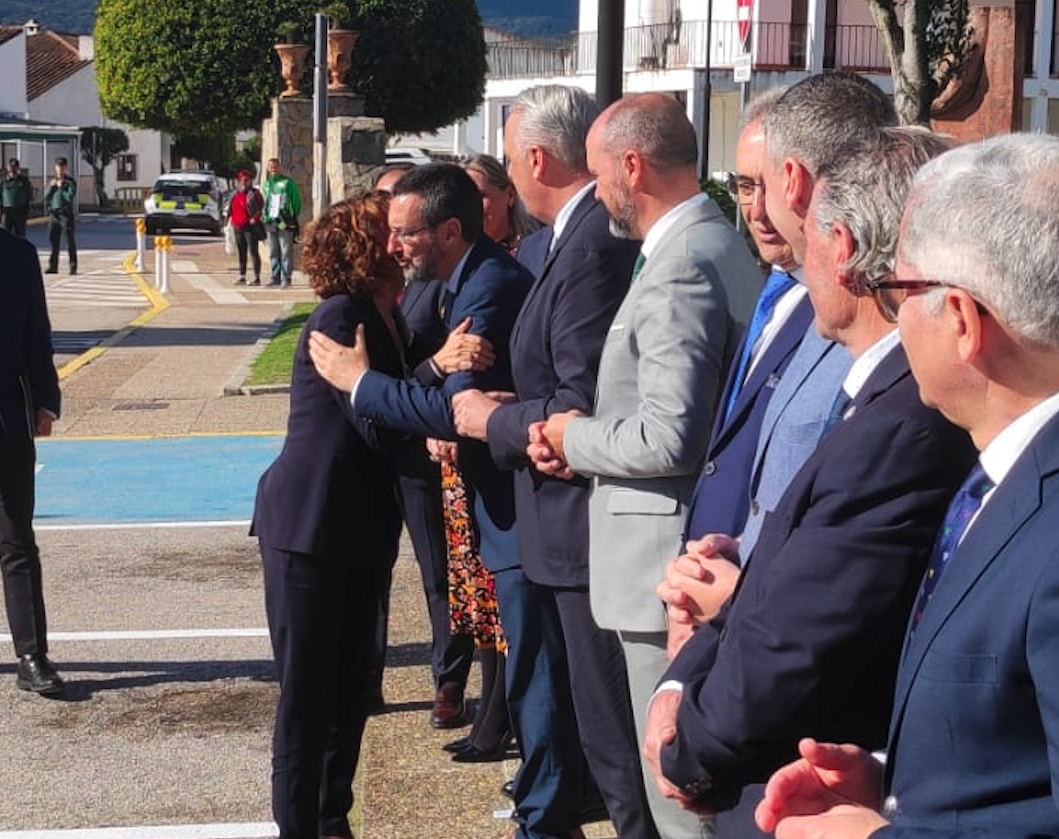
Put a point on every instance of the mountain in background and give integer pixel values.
(551, 17)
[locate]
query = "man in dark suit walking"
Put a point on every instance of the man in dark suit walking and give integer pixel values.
(809, 641)
(29, 403)
(583, 272)
(974, 734)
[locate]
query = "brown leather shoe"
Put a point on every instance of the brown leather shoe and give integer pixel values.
(450, 710)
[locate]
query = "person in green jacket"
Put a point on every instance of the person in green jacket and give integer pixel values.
(60, 200)
(15, 194)
(283, 203)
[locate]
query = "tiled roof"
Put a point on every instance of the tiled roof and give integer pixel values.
(8, 32)
(50, 58)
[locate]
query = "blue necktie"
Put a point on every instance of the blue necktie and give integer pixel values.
(777, 283)
(838, 410)
(964, 505)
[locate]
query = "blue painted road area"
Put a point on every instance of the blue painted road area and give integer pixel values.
(165, 479)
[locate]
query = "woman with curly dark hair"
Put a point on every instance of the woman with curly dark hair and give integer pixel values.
(328, 524)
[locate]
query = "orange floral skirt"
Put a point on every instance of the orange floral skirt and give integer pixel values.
(473, 608)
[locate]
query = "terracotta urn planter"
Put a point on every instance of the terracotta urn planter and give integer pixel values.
(292, 63)
(340, 43)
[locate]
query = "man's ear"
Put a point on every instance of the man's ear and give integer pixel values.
(968, 322)
(538, 163)
(797, 186)
(631, 167)
(843, 247)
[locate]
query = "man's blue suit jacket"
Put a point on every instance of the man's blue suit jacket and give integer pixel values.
(555, 350)
(722, 495)
(27, 373)
(808, 644)
(490, 290)
(974, 739)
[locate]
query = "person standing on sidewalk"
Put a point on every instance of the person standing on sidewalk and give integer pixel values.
(15, 195)
(60, 200)
(283, 203)
(29, 403)
(244, 216)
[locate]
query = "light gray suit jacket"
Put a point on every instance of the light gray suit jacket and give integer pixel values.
(660, 375)
(793, 424)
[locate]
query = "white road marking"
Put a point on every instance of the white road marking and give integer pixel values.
(245, 830)
(150, 635)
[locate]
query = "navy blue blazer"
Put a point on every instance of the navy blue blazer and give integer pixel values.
(333, 481)
(974, 739)
(490, 289)
(555, 350)
(721, 501)
(28, 380)
(808, 644)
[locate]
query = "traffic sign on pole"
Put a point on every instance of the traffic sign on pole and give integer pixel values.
(741, 67)
(744, 13)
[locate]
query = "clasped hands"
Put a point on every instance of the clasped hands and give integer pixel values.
(696, 585)
(545, 449)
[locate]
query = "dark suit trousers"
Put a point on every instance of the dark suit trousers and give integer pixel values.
(600, 690)
(19, 557)
(321, 617)
(451, 654)
(550, 786)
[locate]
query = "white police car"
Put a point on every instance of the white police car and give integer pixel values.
(184, 199)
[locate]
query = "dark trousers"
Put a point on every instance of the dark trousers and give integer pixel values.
(451, 655)
(550, 786)
(19, 557)
(246, 242)
(321, 616)
(15, 220)
(60, 223)
(600, 690)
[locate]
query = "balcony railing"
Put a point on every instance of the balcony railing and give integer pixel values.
(684, 45)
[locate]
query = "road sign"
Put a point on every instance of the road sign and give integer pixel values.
(741, 67)
(744, 12)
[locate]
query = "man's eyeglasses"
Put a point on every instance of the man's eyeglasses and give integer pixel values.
(889, 293)
(406, 237)
(742, 189)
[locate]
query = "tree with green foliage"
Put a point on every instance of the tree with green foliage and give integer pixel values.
(447, 81)
(208, 67)
(929, 43)
(199, 68)
(99, 147)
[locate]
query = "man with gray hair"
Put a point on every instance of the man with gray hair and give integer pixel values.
(660, 376)
(582, 273)
(809, 641)
(974, 733)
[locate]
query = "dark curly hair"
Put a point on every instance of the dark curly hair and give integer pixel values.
(345, 249)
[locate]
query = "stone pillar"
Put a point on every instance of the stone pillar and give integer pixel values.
(356, 149)
(288, 136)
(987, 97)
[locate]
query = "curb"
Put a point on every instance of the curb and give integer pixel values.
(235, 386)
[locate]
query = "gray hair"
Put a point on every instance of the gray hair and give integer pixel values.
(656, 126)
(817, 117)
(556, 118)
(985, 217)
(760, 105)
(866, 190)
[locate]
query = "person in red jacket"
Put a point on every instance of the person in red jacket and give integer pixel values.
(244, 215)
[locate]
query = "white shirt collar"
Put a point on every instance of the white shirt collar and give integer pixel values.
(1000, 455)
(866, 363)
(659, 228)
(563, 216)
